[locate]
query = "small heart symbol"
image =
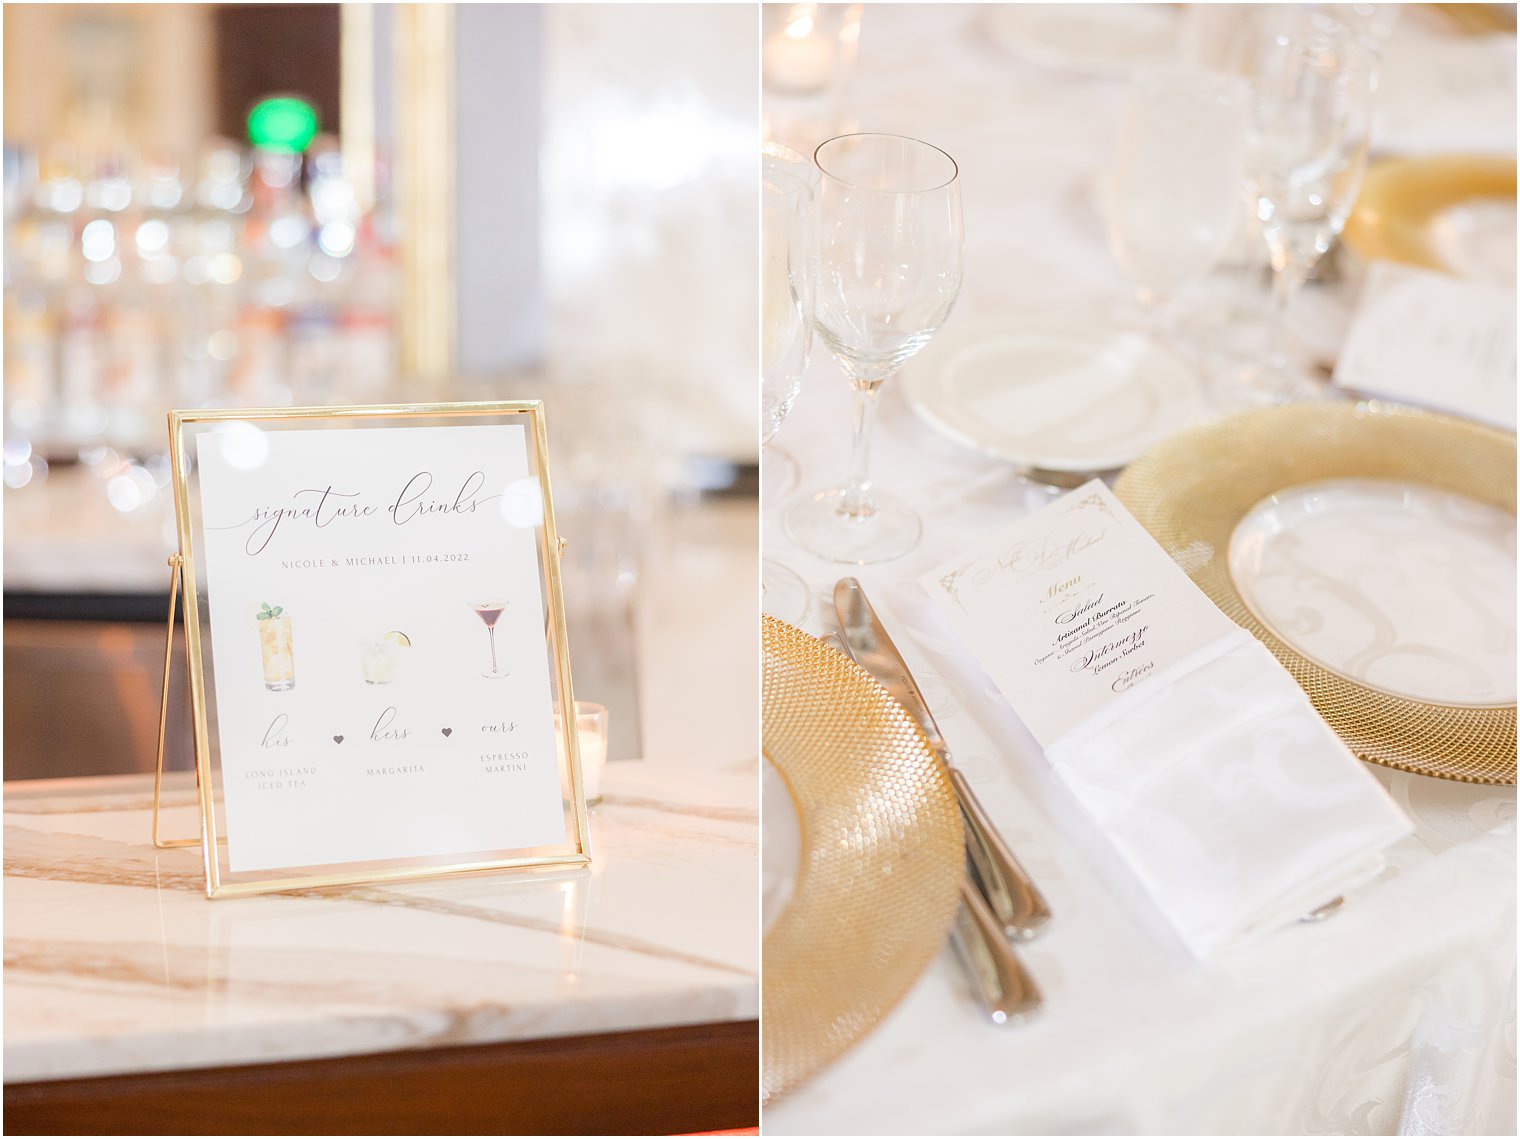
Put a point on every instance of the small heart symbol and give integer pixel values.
(448, 731)
(337, 739)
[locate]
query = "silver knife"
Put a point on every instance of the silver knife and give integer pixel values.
(1014, 900)
(1006, 990)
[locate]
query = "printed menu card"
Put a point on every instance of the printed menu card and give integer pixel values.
(1073, 607)
(377, 629)
(1194, 751)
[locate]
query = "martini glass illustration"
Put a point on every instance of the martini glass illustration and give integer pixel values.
(489, 613)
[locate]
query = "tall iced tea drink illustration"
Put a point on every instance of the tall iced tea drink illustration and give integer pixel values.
(277, 649)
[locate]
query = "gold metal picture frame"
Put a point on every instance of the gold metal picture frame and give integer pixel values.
(221, 882)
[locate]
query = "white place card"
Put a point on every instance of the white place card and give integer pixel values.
(1434, 341)
(1072, 607)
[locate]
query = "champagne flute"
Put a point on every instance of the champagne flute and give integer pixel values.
(1313, 81)
(788, 258)
(891, 256)
(789, 261)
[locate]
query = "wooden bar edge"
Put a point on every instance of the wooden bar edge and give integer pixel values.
(658, 1081)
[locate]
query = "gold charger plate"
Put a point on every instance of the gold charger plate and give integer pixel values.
(882, 857)
(1401, 198)
(1192, 491)
(1477, 19)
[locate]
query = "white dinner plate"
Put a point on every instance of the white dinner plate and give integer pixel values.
(1062, 400)
(1370, 546)
(1092, 39)
(1398, 586)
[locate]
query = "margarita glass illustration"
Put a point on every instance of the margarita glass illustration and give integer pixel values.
(382, 657)
(277, 648)
(489, 613)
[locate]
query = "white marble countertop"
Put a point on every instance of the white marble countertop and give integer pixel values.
(115, 961)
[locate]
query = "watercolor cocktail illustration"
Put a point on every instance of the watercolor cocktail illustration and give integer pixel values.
(489, 613)
(277, 648)
(381, 658)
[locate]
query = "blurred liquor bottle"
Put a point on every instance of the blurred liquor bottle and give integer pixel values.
(132, 286)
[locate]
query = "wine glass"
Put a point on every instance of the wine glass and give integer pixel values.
(891, 256)
(1176, 178)
(490, 613)
(788, 277)
(1313, 80)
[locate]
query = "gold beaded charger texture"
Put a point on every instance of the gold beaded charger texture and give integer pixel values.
(1371, 548)
(879, 874)
(1426, 211)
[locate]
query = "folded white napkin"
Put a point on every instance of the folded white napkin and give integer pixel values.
(1197, 754)
(1231, 800)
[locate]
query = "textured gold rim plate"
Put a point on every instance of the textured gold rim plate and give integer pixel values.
(882, 858)
(1191, 492)
(1476, 19)
(1401, 197)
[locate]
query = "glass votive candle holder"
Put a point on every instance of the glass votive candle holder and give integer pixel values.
(809, 49)
(591, 733)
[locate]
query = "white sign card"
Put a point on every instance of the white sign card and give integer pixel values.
(1434, 341)
(1072, 607)
(382, 686)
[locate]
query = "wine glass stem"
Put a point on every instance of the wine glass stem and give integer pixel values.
(856, 500)
(1286, 277)
(778, 474)
(492, 630)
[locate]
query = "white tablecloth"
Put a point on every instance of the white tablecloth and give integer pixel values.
(1397, 1015)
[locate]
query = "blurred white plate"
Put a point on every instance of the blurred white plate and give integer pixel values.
(1398, 586)
(1094, 39)
(1476, 241)
(1062, 400)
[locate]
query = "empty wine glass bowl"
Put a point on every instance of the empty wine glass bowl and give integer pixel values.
(1177, 175)
(891, 250)
(891, 256)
